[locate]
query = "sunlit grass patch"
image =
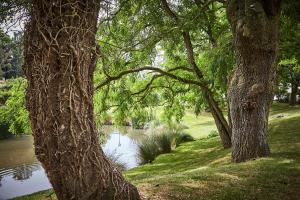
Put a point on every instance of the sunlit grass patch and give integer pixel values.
(202, 169)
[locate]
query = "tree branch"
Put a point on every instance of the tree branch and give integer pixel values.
(149, 68)
(148, 84)
(187, 41)
(168, 10)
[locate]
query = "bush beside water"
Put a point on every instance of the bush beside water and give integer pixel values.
(160, 142)
(4, 131)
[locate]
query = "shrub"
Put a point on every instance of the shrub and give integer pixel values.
(212, 134)
(148, 150)
(4, 130)
(160, 142)
(164, 142)
(183, 137)
(176, 127)
(14, 113)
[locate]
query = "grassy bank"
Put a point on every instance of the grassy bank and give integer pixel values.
(200, 126)
(203, 170)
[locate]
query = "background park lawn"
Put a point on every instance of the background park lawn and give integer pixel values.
(203, 170)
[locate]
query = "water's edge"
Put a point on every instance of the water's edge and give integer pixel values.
(21, 174)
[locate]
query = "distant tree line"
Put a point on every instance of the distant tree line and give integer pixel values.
(11, 55)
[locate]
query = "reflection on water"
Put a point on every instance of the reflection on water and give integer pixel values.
(21, 173)
(121, 143)
(123, 148)
(22, 180)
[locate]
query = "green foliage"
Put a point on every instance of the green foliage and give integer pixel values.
(288, 76)
(4, 130)
(218, 62)
(140, 117)
(17, 54)
(4, 93)
(281, 92)
(14, 112)
(173, 112)
(10, 55)
(5, 53)
(288, 72)
(131, 37)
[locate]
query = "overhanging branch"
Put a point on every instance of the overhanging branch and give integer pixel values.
(154, 69)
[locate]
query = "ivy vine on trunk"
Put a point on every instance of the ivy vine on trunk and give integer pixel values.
(60, 58)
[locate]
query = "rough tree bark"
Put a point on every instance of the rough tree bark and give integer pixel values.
(60, 58)
(220, 121)
(255, 29)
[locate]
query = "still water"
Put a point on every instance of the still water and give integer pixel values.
(21, 173)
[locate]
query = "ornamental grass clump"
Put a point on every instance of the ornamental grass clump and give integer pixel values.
(160, 142)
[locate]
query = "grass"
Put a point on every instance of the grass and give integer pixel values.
(42, 195)
(197, 126)
(200, 126)
(203, 170)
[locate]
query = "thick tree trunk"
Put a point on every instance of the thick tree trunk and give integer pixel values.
(255, 29)
(294, 90)
(60, 57)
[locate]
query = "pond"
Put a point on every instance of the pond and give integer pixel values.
(21, 173)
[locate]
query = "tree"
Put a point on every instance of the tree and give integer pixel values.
(17, 56)
(59, 60)
(289, 51)
(289, 74)
(13, 112)
(10, 55)
(5, 54)
(221, 123)
(255, 31)
(136, 39)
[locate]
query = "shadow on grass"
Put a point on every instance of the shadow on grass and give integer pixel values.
(207, 123)
(188, 156)
(202, 170)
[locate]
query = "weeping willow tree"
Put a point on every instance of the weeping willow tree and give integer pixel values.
(167, 54)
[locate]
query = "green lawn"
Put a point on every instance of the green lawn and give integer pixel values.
(42, 195)
(203, 170)
(198, 127)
